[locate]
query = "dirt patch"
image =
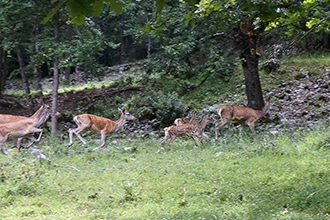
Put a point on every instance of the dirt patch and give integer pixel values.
(69, 103)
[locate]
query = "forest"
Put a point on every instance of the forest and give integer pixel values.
(42, 39)
(151, 62)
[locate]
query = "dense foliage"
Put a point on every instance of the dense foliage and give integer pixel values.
(186, 38)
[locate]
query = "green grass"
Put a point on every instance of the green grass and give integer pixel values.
(47, 89)
(239, 176)
(285, 176)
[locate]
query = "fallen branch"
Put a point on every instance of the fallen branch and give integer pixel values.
(68, 167)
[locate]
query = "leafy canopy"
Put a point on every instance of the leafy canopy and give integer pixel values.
(301, 15)
(79, 9)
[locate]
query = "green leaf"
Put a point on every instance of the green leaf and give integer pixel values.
(160, 4)
(117, 6)
(52, 12)
(97, 8)
(312, 22)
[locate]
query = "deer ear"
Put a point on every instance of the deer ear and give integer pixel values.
(41, 102)
(120, 110)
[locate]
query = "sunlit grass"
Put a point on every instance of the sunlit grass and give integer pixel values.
(313, 64)
(47, 89)
(235, 177)
(309, 59)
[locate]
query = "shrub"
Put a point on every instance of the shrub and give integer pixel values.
(165, 108)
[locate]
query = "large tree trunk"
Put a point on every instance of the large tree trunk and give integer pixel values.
(250, 59)
(22, 71)
(252, 81)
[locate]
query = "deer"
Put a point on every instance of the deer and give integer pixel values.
(240, 114)
(190, 129)
(7, 118)
(100, 125)
(182, 121)
(41, 115)
(24, 128)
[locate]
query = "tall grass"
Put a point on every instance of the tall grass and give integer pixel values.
(284, 176)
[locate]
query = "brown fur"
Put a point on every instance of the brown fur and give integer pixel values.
(40, 114)
(24, 127)
(191, 129)
(100, 125)
(239, 114)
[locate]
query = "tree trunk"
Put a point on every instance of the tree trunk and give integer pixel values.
(3, 70)
(36, 69)
(54, 97)
(23, 74)
(123, 54)
(55, 77)
(149, 42)
(252, 81)
(250, 59)
(67, 72)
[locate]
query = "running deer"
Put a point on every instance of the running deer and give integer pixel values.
(99, 125)
(193, 130)
(41, 116)
(239, 114)
(24, 128)
(7, 118)
(182, 121)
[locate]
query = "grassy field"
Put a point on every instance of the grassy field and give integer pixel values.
(282, 176)
(239, 176)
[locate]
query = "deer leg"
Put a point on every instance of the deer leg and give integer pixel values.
(40, 134)
(205, 135)
(251, 126)
(162, 141)
(70, 136)
(103, 139)
(77, 132)
(18, 145)
(170, 142)
(3, 150)
(19, 142)
(32, 141)
(218, 125)
(31, 138)
(199, 142)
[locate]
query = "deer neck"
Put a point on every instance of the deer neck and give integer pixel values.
(42, 116)
(42, 119)
(204, 121)
(120, 122)
(265, 109)
(38, 112)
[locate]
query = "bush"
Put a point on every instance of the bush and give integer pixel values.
(164, 108)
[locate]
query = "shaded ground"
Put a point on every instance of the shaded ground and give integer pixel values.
(68, 103)
(300, 102)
